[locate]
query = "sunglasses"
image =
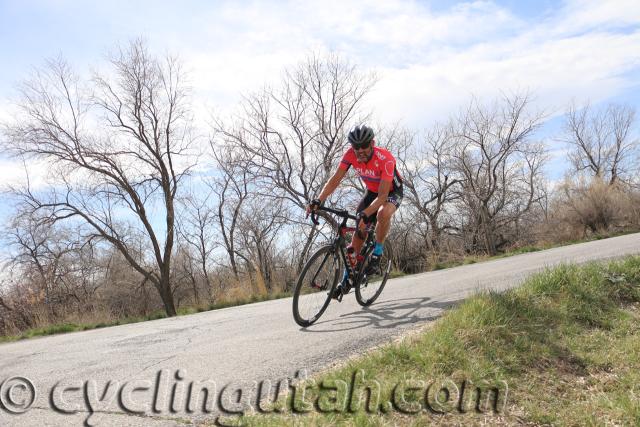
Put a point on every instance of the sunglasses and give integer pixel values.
(361, 146)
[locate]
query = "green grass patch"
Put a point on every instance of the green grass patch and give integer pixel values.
(566, 346)
(472, 259)
(52, 330)
(521, 250)
(396, 273)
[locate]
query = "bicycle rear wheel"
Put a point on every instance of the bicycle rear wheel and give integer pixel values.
(369, 288)
(315, 285)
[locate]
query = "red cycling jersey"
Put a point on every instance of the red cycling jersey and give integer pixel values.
(381, 167)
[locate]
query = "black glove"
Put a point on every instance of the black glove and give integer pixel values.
(314, 204)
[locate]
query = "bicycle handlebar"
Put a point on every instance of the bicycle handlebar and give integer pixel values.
(340, 212)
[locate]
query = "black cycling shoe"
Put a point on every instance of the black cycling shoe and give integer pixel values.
(341, 290)
(373, 268)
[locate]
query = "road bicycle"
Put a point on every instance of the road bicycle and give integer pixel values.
(319, 277)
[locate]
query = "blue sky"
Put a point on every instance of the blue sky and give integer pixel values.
(430, 56)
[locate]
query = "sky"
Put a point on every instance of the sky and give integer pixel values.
(430, 56)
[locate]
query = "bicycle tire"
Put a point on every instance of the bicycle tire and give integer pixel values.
(312, 290)
(367, 293)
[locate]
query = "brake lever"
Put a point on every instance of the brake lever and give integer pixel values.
(314, 218)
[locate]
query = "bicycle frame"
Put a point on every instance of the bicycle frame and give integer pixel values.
(309, 306)
(340, 239)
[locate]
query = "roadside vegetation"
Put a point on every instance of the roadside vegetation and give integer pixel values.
(61, 328)
(566, 344)
(236, 299)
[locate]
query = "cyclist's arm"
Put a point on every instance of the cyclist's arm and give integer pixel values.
(383, 193)
(332, 184)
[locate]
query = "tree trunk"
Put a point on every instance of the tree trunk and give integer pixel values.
(164, 288)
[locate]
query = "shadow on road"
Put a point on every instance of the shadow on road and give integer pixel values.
(388, 314)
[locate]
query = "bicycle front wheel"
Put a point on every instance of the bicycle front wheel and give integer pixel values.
(370, 287)
(315, 285)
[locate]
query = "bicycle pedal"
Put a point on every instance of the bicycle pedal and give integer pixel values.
(337, 294)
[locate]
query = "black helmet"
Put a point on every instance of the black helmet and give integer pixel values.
(361, 135)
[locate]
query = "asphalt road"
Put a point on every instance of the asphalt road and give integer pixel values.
(93, 375)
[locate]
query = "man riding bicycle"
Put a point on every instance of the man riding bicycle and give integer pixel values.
(377, 169)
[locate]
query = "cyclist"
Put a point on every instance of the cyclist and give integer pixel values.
(377, 169)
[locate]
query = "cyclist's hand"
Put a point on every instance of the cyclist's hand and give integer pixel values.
(313, 205)
(361, 217)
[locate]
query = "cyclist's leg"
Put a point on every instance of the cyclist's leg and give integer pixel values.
(368, 198)
(385, 213)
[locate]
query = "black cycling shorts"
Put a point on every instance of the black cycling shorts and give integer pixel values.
(394, 197)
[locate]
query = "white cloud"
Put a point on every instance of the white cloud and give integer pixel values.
(405, 23)
(594, 65)
(429, 61)
(17, 173)
(246, 46)
(598, 14)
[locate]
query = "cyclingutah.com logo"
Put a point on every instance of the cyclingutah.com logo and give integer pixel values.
(17, 395)
(171, 393)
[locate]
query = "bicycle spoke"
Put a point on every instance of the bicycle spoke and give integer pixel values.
(315, 276)
(370, 287)
(314, 286)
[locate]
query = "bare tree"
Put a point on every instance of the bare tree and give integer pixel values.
(499, 169)
(186, 277)
(14, 316)
(40, 253)
(56, 271)
(601, 141)
(120, 153)
(293, 136)
(198, 232)
(429, 181)
(231, 185)
(259, 231)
